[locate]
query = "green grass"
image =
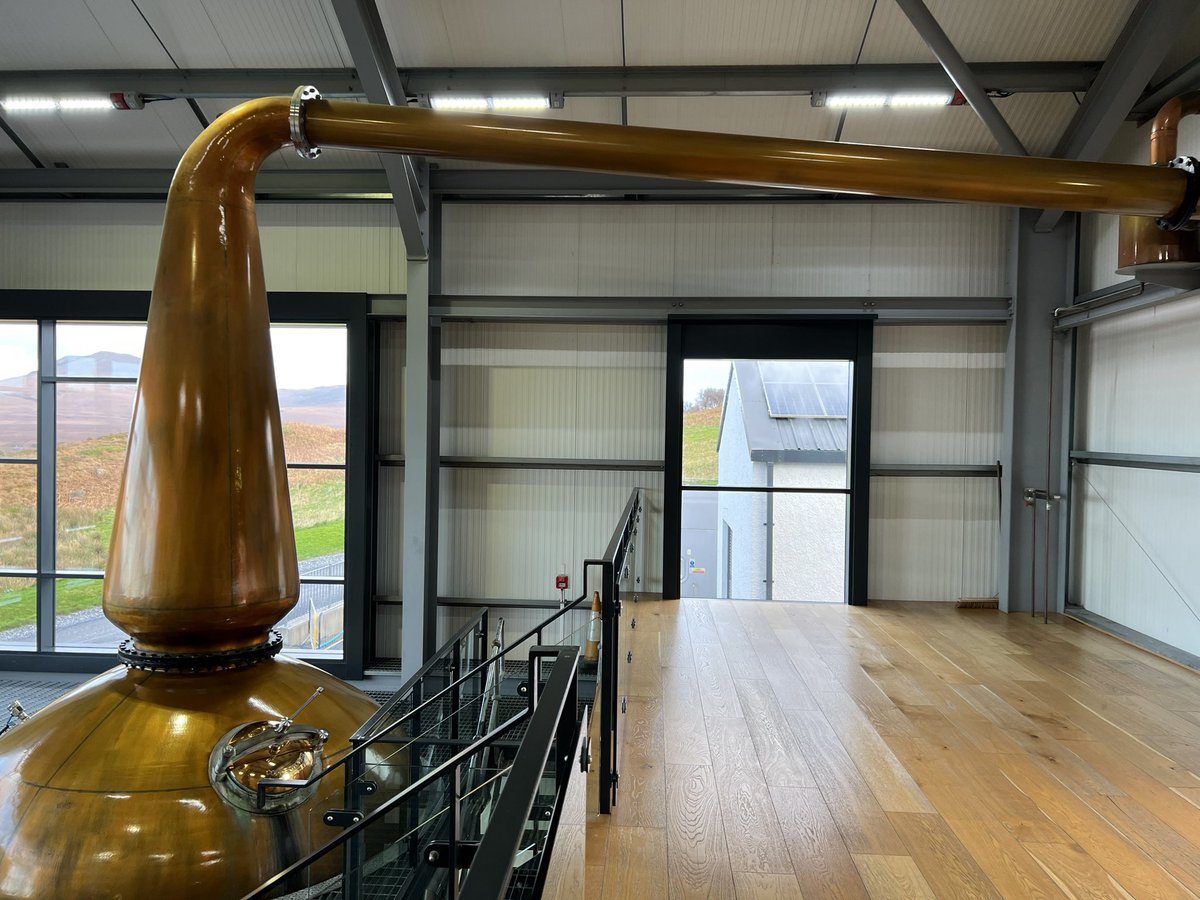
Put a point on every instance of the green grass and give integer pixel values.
(700, 454)
(320, 540)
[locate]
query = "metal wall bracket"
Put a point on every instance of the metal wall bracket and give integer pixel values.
(437, 854)
(342, 818)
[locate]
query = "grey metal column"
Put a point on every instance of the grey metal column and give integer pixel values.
(47, 507)
(1042, 278)
(421, 470)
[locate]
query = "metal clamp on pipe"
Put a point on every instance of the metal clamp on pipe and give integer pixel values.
(1181, 218)
(300, 141)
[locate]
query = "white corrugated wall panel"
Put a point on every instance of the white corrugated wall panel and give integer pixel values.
(932, 538)
(114, 246)
(938, 250)
(1136, 387)
(937, 394)
(553, 391)
(505, 533)
(1134, 550)
(937, 399)
(878, 250)
(389, 512)
(391, 387)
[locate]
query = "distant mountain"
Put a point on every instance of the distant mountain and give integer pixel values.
(87, 411)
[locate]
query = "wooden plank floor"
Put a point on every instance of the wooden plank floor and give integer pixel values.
(905, 750)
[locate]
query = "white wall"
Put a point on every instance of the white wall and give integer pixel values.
(698, 250)
(114, 246)
(937, 398)
(1133, 537)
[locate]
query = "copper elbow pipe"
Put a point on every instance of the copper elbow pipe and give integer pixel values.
(203, 554)
(1164, 133)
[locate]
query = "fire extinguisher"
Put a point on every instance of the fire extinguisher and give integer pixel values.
(592, 651)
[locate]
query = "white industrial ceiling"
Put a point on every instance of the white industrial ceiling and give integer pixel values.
(123, 35)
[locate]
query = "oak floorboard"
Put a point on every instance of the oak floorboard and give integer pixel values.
(697, 858)
(822, 864)
(686, 742)
(901, 750)
(893, 877)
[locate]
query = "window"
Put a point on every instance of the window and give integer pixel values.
(82, 378)
(18, 485)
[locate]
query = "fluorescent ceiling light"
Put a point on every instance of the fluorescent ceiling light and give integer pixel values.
(21, 104)
(51, 104)
(482, 104)
(879, 101)
(911, 100)
(75, 103)
(847, 101)
(520, 103)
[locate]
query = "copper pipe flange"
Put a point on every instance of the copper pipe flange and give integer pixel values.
(190, 663)
(300, 141)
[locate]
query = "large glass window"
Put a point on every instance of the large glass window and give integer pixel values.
(18, 485)
(310, 374)
(87, 387)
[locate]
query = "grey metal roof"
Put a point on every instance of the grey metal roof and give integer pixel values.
(775, 439)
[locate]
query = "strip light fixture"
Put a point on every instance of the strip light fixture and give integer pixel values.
(881, 101)
(56, 104)
(466, 103)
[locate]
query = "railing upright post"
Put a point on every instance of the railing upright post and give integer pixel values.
(353, 854)
(455, 793)
(414, 767)
(609, 654)
(455, 689)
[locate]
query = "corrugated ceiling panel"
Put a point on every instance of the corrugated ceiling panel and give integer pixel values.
(553, 391)
(391, 387)
(10, 156)
(514, 33)
(1136, 382)
(933, 538)
(1185, 49)
(154, 137)
(938, 250)
(713, 32)
(937, 394)
(1134, 550)
(77, 34)
(787, 117)
(1013, 31)
(506, 533)
(263, 34)
(332, 247)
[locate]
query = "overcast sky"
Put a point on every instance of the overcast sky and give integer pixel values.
(306, 356)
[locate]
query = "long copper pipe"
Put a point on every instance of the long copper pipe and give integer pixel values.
(203, 556)
(740, 159)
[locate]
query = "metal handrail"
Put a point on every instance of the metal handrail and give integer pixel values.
(404, 690)
(492, 867)
(548, 705)
(387, 806)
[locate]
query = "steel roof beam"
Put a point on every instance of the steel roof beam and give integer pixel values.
(1179, 82)
(600, 81)
(960, 73)
(363, 30)
(1139, 50)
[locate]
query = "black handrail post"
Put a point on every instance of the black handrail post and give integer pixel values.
(608, 705)
(455, 793)
(414, 763)
(455, 691)
(353, 854)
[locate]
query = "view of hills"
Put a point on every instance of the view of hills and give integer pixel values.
(87, 411)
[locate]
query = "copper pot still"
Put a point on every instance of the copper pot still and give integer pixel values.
(137, 783)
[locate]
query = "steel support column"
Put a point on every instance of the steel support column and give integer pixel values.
(1031, 456)
(422, 393)
(962, 76)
